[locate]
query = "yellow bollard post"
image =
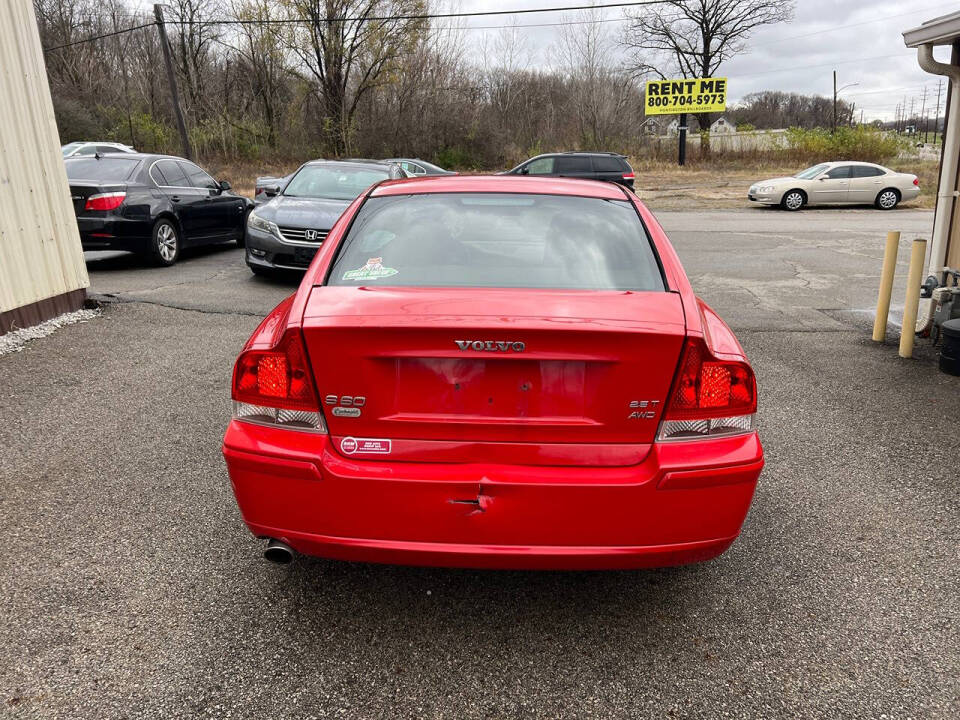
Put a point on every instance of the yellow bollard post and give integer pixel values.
(886, 286)
(912, 303)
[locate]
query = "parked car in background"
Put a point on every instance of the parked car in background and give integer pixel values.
(268, 186)
(835, 183)
(154, 205)
(495, 372)
(611, 167)
(75, 149)
(285, 232)
(418, 168)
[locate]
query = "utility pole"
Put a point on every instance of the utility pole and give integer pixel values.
(936, 115)
(834, 101)
(171, 76)
(923, 106)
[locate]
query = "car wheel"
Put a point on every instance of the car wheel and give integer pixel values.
(793, 200)
(165, 247)
(887, 199)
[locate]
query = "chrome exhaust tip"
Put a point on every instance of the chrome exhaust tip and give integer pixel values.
(278, 552)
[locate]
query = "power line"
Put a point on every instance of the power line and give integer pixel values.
(100, 37)
(431, 16)
(821, 65)
(842, 27)
(365, 18)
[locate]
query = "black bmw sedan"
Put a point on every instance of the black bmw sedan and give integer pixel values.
(286, 232)
(153, 205)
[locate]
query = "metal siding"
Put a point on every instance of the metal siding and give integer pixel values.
(40, 253)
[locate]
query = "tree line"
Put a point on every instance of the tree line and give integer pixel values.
(376, 78)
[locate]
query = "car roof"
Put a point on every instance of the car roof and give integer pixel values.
(378, 164)
(585, 153)
(97, 142)
(131, 156)
(500, 184)
(851, 162)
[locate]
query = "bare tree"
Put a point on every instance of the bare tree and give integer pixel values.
(263, 59)
(193, 37)
(601, 92)
(694, 37)
(349, 52)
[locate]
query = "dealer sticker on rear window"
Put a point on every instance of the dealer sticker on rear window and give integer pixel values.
(372, 270)
(370, 446)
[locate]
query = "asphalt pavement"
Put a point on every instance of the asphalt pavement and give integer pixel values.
(133, 590)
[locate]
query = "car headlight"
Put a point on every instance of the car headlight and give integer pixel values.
(265, 226)
(765, 188)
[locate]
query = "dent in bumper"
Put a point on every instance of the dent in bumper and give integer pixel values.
(685, 502)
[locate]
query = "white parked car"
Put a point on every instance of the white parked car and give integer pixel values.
(834, 183)
(79, 149)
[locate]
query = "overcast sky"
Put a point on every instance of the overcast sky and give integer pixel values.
(861, 39)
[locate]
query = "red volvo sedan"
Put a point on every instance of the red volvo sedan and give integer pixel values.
(495, 372)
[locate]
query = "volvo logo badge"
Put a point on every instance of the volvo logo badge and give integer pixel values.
(491, 345)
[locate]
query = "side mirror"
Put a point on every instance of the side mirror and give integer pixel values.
(224, 186)
(271, 190)
(524, 170)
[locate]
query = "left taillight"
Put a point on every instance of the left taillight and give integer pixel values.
(710, 397)
(628, 176)
(275, 387)
(105, 201)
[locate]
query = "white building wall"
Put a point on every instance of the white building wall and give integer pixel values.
(40, 253)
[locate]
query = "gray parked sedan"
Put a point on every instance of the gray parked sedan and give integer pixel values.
(834, 183)
(419, 168)
(285, 232)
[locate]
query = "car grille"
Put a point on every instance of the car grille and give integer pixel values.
(295, 234)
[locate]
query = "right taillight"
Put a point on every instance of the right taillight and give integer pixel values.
(710, 397)
(275, 387)
(628, 175)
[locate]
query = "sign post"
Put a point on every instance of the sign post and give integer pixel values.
(678, 97)
(682, 149)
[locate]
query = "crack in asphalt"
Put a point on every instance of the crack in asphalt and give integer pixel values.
(112, 299)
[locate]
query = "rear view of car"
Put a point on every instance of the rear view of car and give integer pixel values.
(99, 189)
(495, 372)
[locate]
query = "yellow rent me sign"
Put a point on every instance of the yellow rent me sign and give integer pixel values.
(699, 95)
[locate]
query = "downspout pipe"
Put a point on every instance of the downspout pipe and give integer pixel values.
(946, 193)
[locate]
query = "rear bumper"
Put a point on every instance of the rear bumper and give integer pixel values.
(910, 193)
(684, 503)
(114, 233)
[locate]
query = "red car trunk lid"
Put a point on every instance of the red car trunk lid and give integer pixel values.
(450, 374)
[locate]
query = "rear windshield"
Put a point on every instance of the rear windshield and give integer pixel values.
(335, 182)
(608, 163)
(106, 168)
(498, 240)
